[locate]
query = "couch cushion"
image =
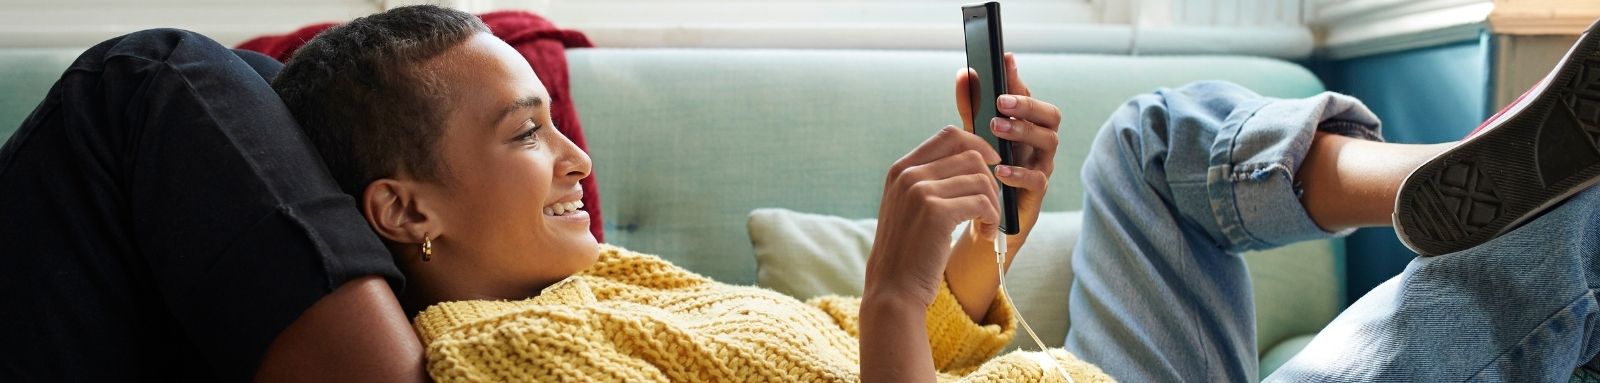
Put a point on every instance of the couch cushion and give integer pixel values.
(1279, 354)
(807, 255)
(25, 77)
(1298, 289)
(687, 142)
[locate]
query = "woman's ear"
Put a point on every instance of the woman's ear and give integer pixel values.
(393, 210)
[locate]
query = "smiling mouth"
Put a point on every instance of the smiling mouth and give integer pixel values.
(562, 208)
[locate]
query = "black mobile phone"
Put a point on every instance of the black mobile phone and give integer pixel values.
(985, 55)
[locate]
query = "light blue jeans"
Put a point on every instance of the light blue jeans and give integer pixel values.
(1180, 181)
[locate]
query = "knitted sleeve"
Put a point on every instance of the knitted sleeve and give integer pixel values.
(959, 345)
(1034, 366)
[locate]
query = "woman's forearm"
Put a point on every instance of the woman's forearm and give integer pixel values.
(894, 340)
(972, 277)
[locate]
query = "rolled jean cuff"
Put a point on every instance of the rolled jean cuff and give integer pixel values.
(1254, 160)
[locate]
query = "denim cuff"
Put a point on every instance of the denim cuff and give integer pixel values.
(1254, 159)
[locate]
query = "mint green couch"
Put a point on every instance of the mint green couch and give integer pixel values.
(686, 142)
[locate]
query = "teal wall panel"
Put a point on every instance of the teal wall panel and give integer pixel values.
(1428, 95)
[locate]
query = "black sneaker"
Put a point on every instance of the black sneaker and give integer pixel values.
(1538, 151)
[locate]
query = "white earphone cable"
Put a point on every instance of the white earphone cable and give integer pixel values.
(1000, 267)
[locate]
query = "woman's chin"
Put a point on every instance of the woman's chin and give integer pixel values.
(575, 224)
(569, 234)
(581, 238)
(588, 255)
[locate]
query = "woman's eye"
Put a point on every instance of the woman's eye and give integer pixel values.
(530, 135)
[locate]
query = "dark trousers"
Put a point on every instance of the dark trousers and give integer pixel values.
(162, 217)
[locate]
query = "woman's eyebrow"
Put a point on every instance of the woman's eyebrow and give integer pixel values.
(520, 104)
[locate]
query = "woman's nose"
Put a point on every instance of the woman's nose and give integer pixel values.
(573, 161)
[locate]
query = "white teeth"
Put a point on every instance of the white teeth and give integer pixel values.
(563, 208)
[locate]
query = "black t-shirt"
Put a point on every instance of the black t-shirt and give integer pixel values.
(162, 217)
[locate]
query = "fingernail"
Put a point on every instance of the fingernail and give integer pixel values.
(1001, 124)
(1008, 101)
(1002, 170)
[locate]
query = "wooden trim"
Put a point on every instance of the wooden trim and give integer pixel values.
(1542, 17)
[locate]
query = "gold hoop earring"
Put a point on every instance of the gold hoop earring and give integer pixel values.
(427, 248)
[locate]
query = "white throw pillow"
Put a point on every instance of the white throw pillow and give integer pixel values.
(807, 255)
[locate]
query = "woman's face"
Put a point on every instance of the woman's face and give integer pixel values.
(505, 209)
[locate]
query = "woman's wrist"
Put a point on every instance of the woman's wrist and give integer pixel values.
(894, 338)
(893, 300)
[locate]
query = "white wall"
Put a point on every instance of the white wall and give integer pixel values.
(81, 23)
(1260, 27)
(1279, 28)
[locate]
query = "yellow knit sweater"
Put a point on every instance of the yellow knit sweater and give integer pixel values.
(637, 318)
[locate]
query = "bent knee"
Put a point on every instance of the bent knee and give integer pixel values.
(1163, 136)
(161, 34)
(1129, 142)
(1117, 154)
(153, 45)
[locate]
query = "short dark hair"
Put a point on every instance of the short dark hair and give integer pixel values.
(356, 92)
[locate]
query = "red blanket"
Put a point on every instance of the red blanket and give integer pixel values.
(538, 40)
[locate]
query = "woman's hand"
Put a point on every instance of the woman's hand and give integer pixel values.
(1032, 128)
(943, 182)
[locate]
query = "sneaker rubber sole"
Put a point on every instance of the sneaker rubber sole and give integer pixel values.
(1534, 157)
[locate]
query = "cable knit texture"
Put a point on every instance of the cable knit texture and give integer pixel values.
(637, 318)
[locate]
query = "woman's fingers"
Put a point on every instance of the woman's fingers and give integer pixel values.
(1017, 103)
(1043, 141)
(1014, 82)
(937, 193)
(980, 209)
(1022, 178)
(1029, 109)
(946, 142)
(963, 185)
(967, 162)
(964, 97)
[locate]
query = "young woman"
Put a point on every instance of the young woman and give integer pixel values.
(443, 134)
